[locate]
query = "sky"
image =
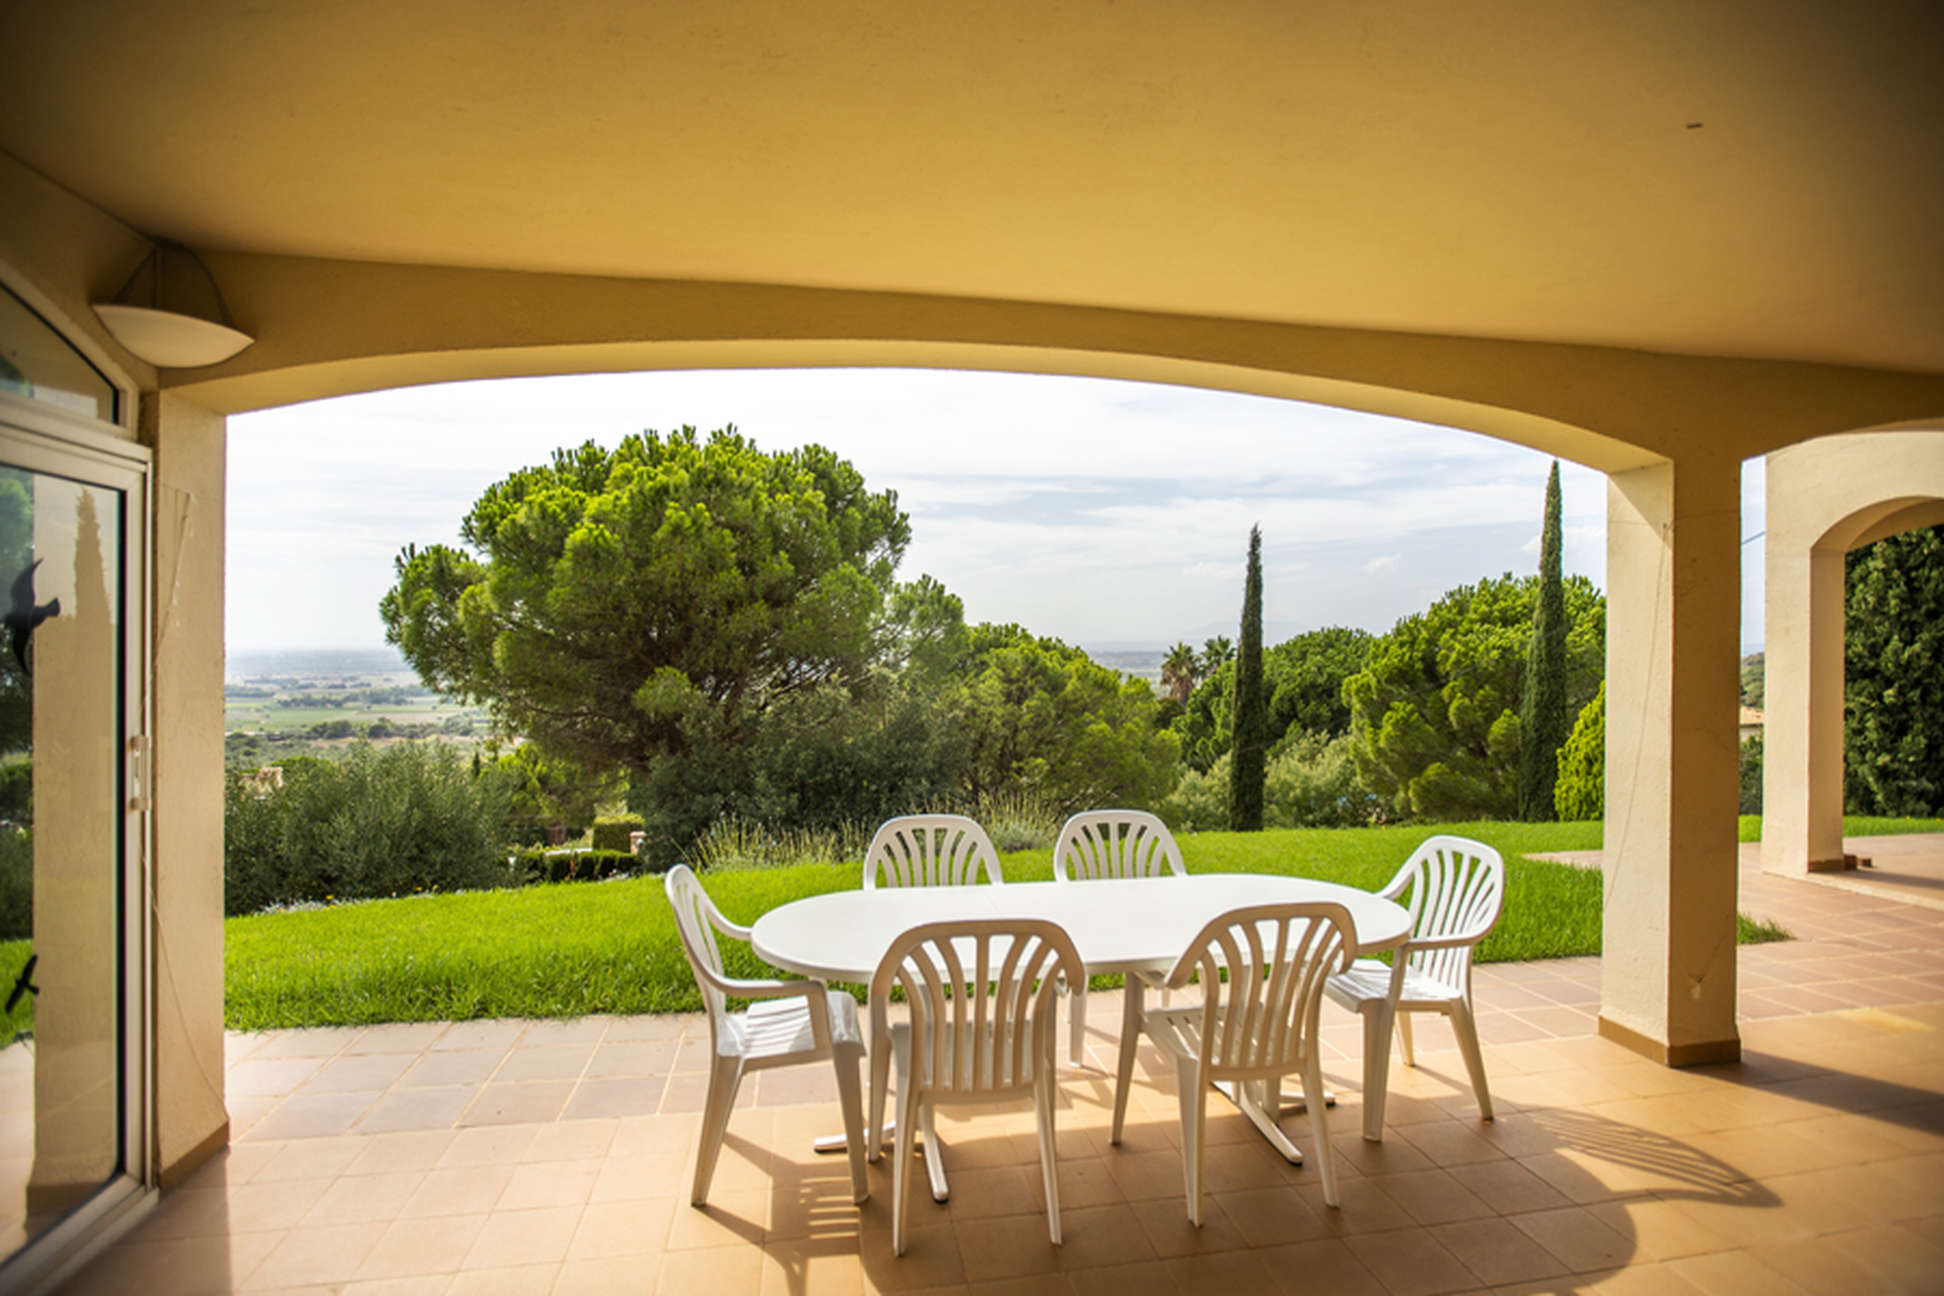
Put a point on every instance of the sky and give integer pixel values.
(1113, 515)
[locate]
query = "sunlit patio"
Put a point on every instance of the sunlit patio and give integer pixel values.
(514, 1157)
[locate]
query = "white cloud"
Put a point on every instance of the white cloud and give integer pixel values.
(1387, 562)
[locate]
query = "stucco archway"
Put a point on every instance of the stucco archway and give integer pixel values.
(1825, 498)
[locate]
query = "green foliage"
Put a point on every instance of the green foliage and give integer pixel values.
(1311, 783)
(13, 958)
(542, 794)
(16, 884)
(1432, 711)
(1249, 734)
(1303, 678)
(1579, 793)
(1543, 717)
(1752, 673)
(1179, 670)
(384, 821)
(1893, 732)
(534, 864)
(1034, 716)
(17, 792)
(1751, 775)
(634, 608)
(612, 833)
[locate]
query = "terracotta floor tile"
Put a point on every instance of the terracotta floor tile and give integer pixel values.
(614, 1097)
(465, 1190)
(1496, 1252)
(453, 1067)
(1507, 1187)
(1432, 1197)
(518, 1104)
(1166, 1226)
(497, 1035)
(613, 1276)
(1579, 1238)
(524, 1237)
(1734, 1273)
(306, 1257)
(417, 1109)
(715, 1269)
(357, 1198)
(433, 1245)
(1152, 1278)
(413, 1150)
(306, 1116)
(631, 1228)
(348, 1073)
(1411, 1262)
(518, 1280)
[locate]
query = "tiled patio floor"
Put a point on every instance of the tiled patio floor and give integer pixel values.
(508, 1157)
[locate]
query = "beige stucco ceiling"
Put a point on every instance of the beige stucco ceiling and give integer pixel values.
(1761, 179)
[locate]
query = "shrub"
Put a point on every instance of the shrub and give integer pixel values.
(1580, 792)
(534, 865)
(612, 832)
(1199, 802)
(409, 817)
(1313, 784)
(16, 885)
(1751, 775)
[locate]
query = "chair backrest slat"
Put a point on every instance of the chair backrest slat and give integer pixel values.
(930, 850)
(981, 997)
(695, 922)
(1098, 844)
(1454, 887)
(1262, 971)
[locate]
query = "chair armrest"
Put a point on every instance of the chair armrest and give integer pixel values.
(1441, 942)
(728, 928)
(743, 988)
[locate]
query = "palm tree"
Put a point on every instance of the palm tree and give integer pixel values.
(1180, 671)
(1215, 652)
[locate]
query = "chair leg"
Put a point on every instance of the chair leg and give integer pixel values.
(1404, 1042)
(1377, 1017)
(1194, 1120)
(725, 1077)
(1077, 1025)
(1465, 1027)
(1049, 1172)
(1319, 1119)
(880, 1084)
(1130, 1040)
(846, 1060)
(908, 1104)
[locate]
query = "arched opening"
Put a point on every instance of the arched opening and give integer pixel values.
(1825, 498)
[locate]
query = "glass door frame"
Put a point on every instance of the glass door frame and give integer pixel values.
(48, 441)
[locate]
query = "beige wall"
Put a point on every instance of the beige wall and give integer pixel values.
(190, 450)
(1825, 497)
(1673, 617)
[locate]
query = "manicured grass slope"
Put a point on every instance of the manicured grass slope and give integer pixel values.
(610, 947)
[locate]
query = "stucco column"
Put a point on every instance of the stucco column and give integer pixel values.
(1673, 617)
(192, 1122)
(1802, 697)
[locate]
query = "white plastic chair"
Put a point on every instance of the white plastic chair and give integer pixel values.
(930, 850)
(789, 1023)
(1262, 971)
(1454, 888)
(980, 995)
(1111, 844)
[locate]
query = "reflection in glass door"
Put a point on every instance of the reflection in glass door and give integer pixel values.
(63, 1061)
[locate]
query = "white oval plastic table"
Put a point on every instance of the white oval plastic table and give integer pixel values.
(1117, 925)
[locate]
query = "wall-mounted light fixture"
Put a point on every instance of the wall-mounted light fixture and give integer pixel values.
(170, 312)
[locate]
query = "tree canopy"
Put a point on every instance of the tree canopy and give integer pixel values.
(1434, 711)
(1543, 717)
(1303, 678)
(1249, 729)
(614, 606)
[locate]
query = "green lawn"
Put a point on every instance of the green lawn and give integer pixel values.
(609, 947)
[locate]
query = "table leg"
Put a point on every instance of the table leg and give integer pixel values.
(928, 1147)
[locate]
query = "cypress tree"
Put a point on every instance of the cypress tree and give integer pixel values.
(1248, 745)
(1542, 706)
